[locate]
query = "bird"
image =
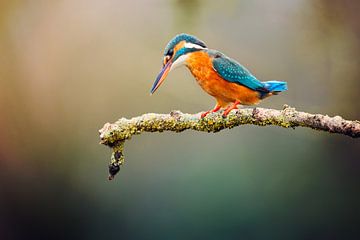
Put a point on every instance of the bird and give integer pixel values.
(229, 82)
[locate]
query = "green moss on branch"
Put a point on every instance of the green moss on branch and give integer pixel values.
(114, 135)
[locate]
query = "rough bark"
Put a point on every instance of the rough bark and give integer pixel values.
(114, 135)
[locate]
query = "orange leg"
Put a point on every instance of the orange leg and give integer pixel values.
(215, 109)
(229, 108)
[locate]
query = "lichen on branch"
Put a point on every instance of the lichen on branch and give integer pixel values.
(114, 135)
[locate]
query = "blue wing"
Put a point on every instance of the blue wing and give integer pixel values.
(233, 71)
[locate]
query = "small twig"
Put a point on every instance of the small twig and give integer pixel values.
(114, 135)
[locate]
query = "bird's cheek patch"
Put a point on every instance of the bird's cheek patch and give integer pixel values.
(179, 46)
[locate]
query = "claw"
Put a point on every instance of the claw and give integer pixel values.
(229, 108)
(204, 114)
(216, 108)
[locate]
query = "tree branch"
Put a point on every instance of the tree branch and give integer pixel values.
(114, 135)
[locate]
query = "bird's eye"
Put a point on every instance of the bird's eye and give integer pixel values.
(170, 52)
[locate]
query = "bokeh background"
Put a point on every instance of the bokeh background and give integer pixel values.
(67, 67)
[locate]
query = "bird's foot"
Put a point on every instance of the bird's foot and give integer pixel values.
(225, 114)
(216, 108)
(227, 111)
(229, 108)
(204, 114)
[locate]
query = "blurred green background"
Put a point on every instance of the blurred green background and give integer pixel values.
(69, 66)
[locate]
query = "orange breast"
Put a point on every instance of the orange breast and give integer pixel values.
(200, 65)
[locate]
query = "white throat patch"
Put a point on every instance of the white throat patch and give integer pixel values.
(179, 62)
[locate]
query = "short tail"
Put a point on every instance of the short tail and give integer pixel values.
(275, 86)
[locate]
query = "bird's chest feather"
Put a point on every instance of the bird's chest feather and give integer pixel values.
(201, 67)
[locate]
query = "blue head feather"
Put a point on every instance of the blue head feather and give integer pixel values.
(183, 51)
(182, 37)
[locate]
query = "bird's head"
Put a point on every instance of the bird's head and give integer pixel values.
(175, 54)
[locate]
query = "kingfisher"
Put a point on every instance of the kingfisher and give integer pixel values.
(230, 83)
